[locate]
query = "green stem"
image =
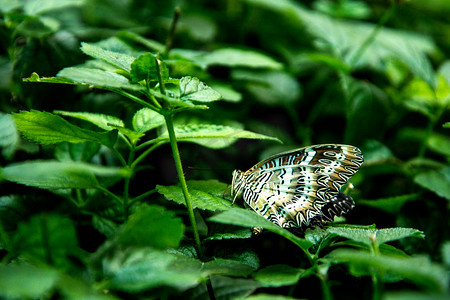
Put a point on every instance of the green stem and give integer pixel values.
(45, 240)
(360, 51)
(119, 156)
(179, 167)
(171, 36)
(112, 195)
(325, 288)
(137, 198)
(143, 155)
(136, 99)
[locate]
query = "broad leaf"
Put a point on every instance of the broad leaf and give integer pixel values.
(139, 269)
(23, 281)
(61, 175)
(272, 87)
(224, 288)
(119, 60)
(267, 297)
(231, 234)
(436, 181)
(390, 204)
(46, 128)
(100, 120)
(9, 136)
(379, 236)
(146, 119)
(191, 88)
(205, 194)
(227, 267)
(213, 136)
(278, 275)
(97, 78)
(246, 218)
(47, 239)
(234, 57)
(144, 68)
(152, 226)
(416, 269)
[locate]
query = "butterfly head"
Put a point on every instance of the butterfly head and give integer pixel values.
(237, 184)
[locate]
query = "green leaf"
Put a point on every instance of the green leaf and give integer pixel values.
(144, 68)
(231, 234)
(278, 275)
(97, 78)
(234, 57)
(446, 125)
(365, 97)
(36, 7)
(435, 181)
(47, 239)
(439, 143)
(421, 97)
(379, 236)
(446, 253)
(408, 295)
(227, 92)
(205, 194)
(416, 269)
(274, 87)
(267, 297)
(100, 120)
(76, 152)
(152, 226)
(118, 60)
(246, 218)
(25, 281)
(213, 136)
(9, 136)
(61, 175)
(390, 204)
(146, 119)
(227, 267)
(191, 88)
(224, 288)
(140, 269)
(46, 128)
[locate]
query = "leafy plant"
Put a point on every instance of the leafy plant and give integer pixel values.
(93, 203)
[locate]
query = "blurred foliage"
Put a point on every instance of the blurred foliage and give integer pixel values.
(90, 205)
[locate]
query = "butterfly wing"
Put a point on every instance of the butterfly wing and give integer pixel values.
(292, 188)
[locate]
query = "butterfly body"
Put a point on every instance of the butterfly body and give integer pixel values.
(299, 188)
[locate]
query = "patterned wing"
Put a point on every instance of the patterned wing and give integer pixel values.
(301, 187)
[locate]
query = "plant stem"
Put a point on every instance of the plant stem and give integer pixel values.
(171, 35)
(325, 288)
(179, 167)
(360, 51)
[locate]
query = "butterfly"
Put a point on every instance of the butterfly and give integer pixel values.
(300, 188)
